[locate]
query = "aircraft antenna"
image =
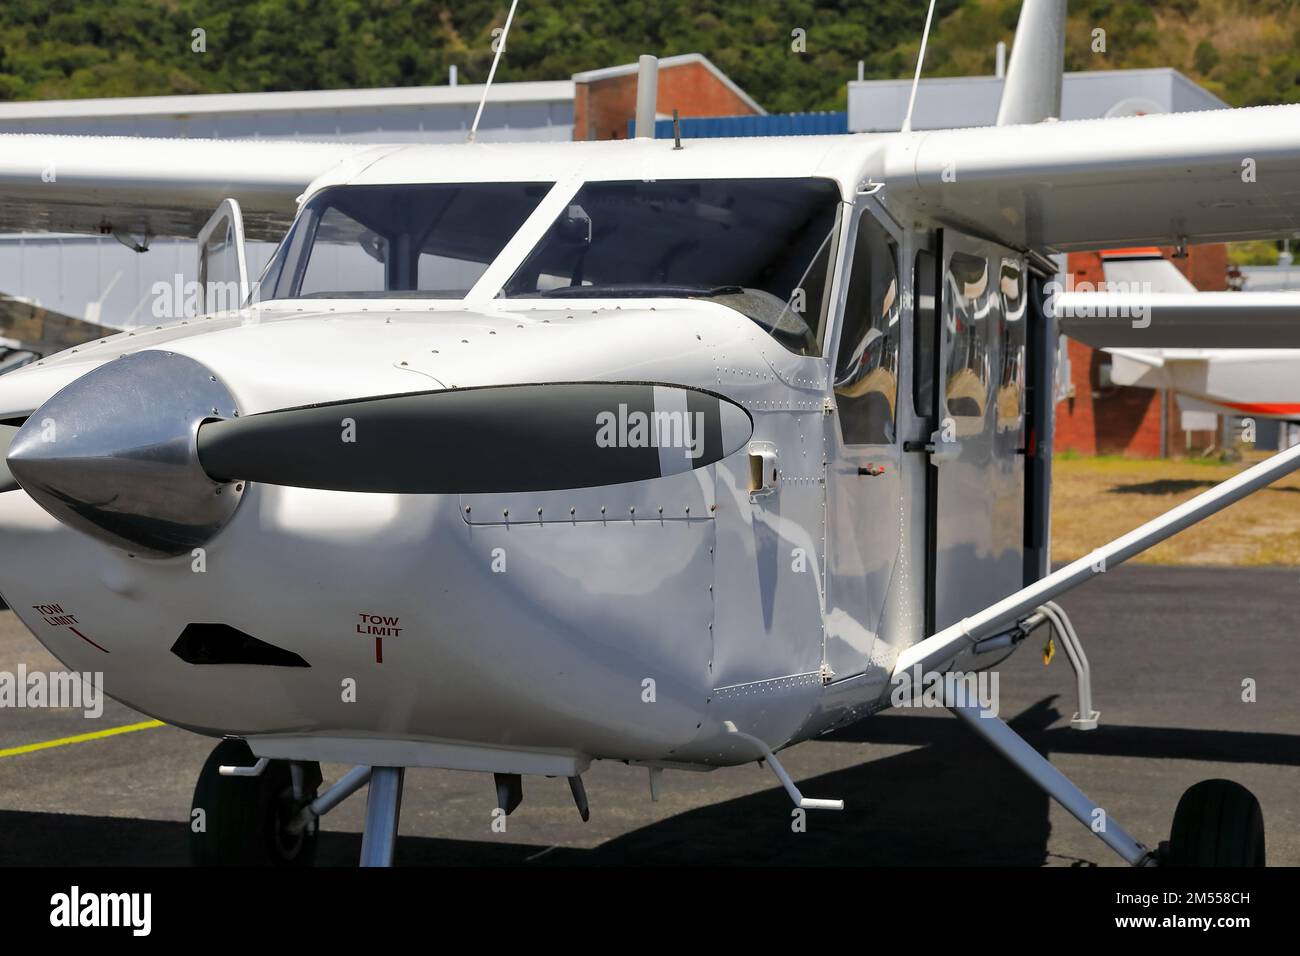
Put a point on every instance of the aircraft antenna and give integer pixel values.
(916, 80)
(501, 48)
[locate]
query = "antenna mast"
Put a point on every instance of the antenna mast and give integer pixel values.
(916, 80)
(501, 48)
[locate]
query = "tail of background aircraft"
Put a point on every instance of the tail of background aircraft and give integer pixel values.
(1032, 92)
(1137, 271)
(1143, 270)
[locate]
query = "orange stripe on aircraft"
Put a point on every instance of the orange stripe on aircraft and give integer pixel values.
(1265, 408)
(1150, 252)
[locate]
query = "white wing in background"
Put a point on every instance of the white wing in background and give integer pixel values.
(159, 187)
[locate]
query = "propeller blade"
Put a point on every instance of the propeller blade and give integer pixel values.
(493, 439)
(7, 483)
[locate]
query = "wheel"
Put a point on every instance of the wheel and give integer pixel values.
(1217, 823)
(245, 819)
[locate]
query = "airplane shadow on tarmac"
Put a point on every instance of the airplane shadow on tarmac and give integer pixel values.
(934, 805)
(1177, 486)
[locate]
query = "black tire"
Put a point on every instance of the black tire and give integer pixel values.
(245, 818)
(1217, 823)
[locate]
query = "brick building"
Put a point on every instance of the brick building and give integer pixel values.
(605, 100)
(1099, 418)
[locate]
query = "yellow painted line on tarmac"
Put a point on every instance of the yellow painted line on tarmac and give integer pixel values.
(81, 738)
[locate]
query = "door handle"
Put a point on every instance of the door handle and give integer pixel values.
(763, 471)
(871, 471)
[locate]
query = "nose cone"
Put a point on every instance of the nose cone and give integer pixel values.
(113, 454)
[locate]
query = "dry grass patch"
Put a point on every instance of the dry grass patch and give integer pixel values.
(1097, 499)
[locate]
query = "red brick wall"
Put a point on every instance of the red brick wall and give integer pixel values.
(602, 109)
(1108, 421)
(1126, 421)
(1205, 266)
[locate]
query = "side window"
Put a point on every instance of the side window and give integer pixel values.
(866, 367)
(222, 266)
(925, 332)
(968, 314)
(1011, 384)
(219, 261)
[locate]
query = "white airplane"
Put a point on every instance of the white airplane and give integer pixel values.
(524, 456)
(1236, 380)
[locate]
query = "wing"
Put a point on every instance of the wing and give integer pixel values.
(1212, 176)
(139, 187)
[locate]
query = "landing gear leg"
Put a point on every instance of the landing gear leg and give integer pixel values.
(383, 807)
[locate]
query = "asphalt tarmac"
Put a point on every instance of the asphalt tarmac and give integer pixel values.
(1170, 648)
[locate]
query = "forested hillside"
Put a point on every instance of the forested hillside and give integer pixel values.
(1244, 50)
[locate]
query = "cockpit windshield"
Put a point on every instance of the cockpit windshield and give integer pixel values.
(760, 246)
(427, 240)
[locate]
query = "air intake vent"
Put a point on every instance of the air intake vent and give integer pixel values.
(223, 644)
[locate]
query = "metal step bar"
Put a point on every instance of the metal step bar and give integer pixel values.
(1052, 614)
(1085, 718)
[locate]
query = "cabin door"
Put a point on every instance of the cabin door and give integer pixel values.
(979, 445)
(223, 266)
(864, 519)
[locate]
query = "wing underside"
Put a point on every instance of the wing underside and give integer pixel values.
(134, 187)
(1211, 176)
